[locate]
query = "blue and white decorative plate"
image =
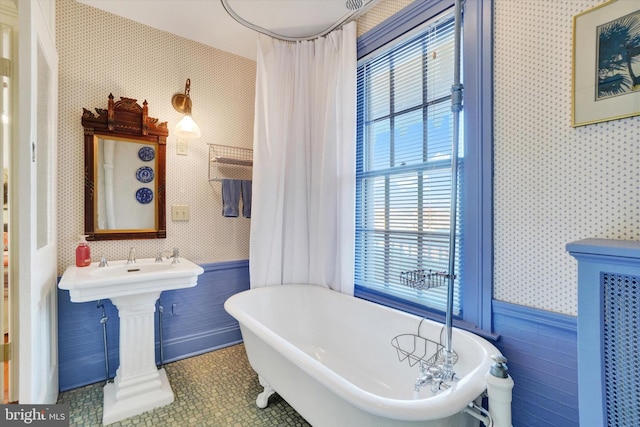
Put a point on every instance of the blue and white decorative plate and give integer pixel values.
(144, 174)
(144, 195)
(146, 154)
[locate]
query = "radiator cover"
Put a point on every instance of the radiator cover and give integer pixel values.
(621, 328)
(608, 331)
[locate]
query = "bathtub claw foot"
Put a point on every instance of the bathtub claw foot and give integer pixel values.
(263, 398)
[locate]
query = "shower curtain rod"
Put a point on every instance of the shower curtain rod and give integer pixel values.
(346, 19)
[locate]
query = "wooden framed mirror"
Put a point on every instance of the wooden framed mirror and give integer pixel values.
(124, 172)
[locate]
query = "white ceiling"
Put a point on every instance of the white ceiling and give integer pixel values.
(207, 21)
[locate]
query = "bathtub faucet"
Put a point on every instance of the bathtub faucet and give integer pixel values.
(436, 376)
(430, 376)
(446, 369)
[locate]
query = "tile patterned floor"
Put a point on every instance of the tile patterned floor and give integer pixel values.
(215, 389)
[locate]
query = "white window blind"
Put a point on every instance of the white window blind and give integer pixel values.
(404, 165)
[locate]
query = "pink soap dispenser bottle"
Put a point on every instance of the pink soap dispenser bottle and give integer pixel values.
(83, 253)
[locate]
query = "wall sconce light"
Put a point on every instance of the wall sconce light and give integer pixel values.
(186, 128)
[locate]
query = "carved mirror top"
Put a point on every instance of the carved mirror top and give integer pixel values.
(124, 116)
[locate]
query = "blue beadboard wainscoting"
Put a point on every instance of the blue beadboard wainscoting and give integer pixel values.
(193, 322)
(542, 350)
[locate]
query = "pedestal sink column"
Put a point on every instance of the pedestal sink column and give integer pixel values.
(139, 385)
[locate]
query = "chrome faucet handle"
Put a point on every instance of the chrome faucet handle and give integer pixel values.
(175, 256)
(169, 254)
(423, 367)
(132, 256)
(103, 262)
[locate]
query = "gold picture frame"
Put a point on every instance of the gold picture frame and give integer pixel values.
(606, 63)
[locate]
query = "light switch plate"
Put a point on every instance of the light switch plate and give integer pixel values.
(180, 212)
(181, 146)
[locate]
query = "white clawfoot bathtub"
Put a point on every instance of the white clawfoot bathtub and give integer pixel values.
(330, 357)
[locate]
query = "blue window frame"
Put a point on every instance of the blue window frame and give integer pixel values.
(382, 164)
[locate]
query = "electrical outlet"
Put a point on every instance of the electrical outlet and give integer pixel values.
(181, 146)
(180, 212)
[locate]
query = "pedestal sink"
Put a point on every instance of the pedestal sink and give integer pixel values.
(133, 288)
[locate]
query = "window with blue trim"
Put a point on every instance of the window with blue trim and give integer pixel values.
(403, 184)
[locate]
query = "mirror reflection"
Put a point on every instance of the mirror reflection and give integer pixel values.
(125, 172)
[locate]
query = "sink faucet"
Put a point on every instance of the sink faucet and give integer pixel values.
(175, 256)
(159, 257)
(103, 262)
(132, 256)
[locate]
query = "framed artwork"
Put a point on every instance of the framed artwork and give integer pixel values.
(606, 63)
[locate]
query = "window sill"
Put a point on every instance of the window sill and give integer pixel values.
(415, 309)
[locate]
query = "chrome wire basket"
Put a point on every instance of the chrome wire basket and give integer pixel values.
(415, 348)
(424, 279)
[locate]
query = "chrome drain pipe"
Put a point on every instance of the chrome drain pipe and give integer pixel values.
(103, 322)
(160, 311)
(479, 413)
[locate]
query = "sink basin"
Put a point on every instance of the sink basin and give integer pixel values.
(120, 272)
(121, 279)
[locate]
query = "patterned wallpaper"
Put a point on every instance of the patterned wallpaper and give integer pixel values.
(554, 184)
(101, 53)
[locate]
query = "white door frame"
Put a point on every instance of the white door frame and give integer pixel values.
(9, 22)
(34, 211)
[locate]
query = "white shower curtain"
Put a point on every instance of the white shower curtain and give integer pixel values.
(303, 207)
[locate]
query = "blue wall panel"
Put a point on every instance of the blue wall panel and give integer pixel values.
(542, 351)
(80, 343)
(193, 320)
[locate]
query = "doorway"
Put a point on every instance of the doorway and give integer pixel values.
(8, 57)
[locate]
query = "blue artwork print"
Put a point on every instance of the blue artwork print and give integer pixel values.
(619, 56)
